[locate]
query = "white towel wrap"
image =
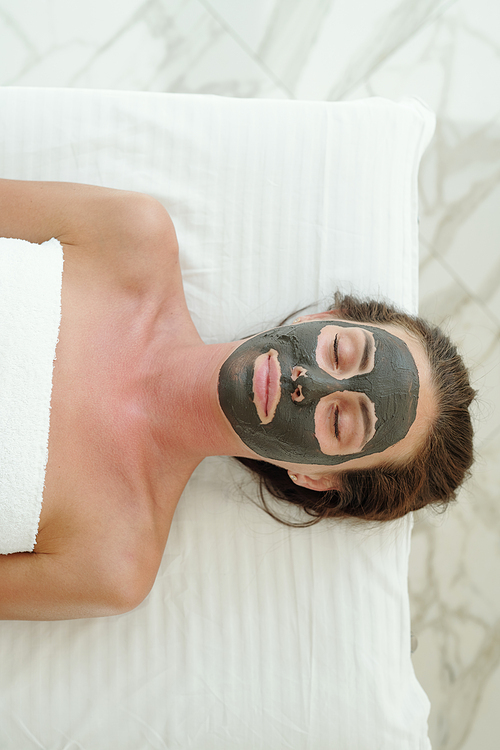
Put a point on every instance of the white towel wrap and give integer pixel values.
(30, 313)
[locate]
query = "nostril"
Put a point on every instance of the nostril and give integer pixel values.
(297, 395)
(297, 372)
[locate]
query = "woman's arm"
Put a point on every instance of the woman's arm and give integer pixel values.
(58, 586)
(126, 235)
(42, 587)
(74, 214)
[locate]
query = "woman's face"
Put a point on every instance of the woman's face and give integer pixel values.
(321, 392)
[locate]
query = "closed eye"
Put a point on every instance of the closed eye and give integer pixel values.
(346, 352)
(344, 422)
(336, 422)
(336, 350)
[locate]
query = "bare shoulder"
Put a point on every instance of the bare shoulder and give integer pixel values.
(135, 216)
(144, 213)
(150, 236)
(129, 225)
(126, 240)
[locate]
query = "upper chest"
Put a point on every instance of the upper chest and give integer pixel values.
(98, 472)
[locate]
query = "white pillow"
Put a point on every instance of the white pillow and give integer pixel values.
(255, 635)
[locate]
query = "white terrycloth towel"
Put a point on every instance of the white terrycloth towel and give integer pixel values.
(30, 313)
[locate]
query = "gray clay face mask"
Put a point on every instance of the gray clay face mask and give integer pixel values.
(392, 386)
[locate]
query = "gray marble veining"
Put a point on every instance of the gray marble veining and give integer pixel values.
(292, 31)
(391, 33)
(448, 53)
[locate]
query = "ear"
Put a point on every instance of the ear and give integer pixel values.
(321, 484)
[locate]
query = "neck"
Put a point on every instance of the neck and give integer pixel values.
(186, 421)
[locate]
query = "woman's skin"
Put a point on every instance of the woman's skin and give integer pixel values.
(134, 403)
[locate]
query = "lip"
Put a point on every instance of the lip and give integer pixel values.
(266, 385)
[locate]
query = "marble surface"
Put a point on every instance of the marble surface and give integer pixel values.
(448, 53)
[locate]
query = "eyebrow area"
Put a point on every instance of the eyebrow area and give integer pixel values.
(367, 423)
(367, 350)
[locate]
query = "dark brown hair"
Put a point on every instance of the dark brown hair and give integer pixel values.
(390, 491)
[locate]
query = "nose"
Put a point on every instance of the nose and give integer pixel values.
(297, 372)
(310, 386)
(313, 383)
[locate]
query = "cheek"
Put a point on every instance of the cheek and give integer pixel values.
(291, 432)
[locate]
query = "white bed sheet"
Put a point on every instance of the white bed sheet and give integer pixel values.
(255, 635)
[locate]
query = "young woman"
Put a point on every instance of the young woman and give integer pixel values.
(138, 400)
